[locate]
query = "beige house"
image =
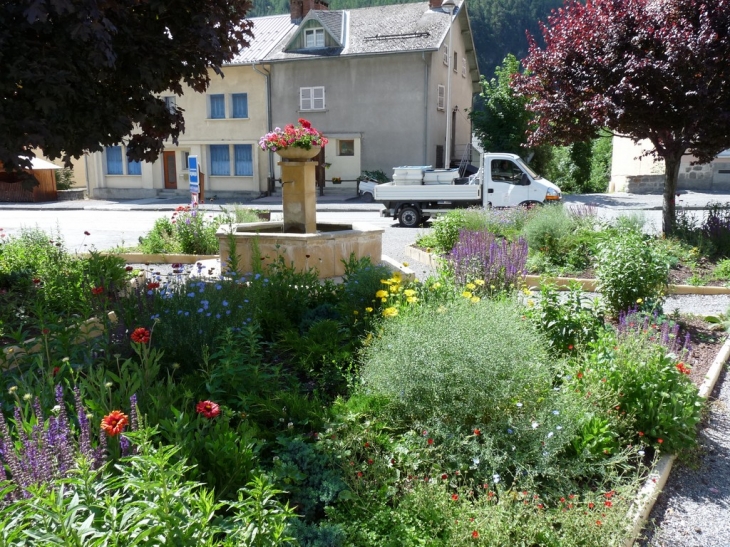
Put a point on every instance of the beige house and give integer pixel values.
(634, 172)
(380, 82)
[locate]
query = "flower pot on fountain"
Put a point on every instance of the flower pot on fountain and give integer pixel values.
(301, 240)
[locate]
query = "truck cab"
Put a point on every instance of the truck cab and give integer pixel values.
(509, 181)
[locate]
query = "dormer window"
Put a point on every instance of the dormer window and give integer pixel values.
(314, 37)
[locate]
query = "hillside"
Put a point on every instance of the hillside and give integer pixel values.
(499, 25)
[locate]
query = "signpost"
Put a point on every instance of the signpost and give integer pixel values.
(194, 178)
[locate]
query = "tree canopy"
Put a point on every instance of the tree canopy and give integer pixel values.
(501, 125)
(647, 69)
(78, 75)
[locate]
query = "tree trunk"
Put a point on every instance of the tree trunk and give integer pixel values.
(671, 166)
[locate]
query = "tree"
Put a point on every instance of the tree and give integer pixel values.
(78, 75)
(647, 69)
(502, 124)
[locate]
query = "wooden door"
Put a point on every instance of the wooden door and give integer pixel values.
(170, 168)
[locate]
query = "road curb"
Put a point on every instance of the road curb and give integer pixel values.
(647, 496)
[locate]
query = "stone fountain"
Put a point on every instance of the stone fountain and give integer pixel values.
(299, 238)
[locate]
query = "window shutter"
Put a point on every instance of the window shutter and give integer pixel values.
(463, 67)
(305, 98)
(446, 55)
(318, 98)
(441, 97)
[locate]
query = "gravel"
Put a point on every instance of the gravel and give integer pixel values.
(694, 508)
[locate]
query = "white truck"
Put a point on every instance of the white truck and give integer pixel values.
(503, 180)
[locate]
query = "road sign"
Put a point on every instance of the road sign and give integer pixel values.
(193, 174)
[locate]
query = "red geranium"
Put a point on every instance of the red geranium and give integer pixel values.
(140, 335)
(209, 409)
(114, 422)
(153, 285)
(97, 290)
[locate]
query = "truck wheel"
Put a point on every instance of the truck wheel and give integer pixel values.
(530, 204)
(367, 197)
(409, 217)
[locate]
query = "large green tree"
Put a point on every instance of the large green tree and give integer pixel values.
(648, 69)
(78, 75)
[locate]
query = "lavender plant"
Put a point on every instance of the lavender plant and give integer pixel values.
(657, 328)
(480, 255)
(48, 449)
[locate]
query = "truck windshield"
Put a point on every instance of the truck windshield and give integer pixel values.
(529, 170)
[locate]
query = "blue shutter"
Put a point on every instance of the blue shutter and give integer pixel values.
(243, 155)
(114, 165)
(240, 105)
(220, 162)
(217, 107)
(134, 167)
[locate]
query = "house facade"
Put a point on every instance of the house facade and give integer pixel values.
(633, 171)
(378, 82)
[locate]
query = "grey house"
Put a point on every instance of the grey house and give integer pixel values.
(380, 82)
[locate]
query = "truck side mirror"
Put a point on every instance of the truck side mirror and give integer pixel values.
(525, 180)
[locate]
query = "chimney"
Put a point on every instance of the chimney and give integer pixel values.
(435, 4)
(298, 9)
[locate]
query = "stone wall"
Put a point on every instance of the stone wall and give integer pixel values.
(713, 177)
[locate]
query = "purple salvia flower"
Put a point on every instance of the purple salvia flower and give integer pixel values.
(84, 427)
(133, 417)
(124, 445)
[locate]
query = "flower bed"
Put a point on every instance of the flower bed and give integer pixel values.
(377, 411)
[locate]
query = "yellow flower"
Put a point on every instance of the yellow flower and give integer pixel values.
(526, 291)
(475, 299)
(436, 286)
(381, 294)
(471, 286)
(467, 294)
(369, 309)
(412, 299)
(639, 301)
(409, 292)
(479, 282)
(396, 277)
(383, 300)
(393, 288)
(386, 281)
(492, 287)
(355, 312)
(390, 312)
(405, 264)
(530, 303)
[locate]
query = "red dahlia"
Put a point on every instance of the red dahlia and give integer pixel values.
(140, 335)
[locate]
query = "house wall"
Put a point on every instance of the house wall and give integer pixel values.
(200, 132)
(388, 103)
(377, 99)
(461, 96)
(633, 172)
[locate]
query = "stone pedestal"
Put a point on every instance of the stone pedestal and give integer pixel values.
(299, 198)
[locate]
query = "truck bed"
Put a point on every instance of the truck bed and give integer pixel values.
(428, 192)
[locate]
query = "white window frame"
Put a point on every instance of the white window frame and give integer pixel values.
(456, 62)
(311, 98)
(446, 55)
(441, 97)
(316, 35)
(125, 164)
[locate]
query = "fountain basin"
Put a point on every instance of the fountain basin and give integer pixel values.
(324, 250)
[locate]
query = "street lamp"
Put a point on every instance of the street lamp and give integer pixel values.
(448, 5)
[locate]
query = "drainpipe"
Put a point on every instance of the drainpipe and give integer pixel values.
(425, 109)
(269, 117)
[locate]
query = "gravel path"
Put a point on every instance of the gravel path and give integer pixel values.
(694, 509)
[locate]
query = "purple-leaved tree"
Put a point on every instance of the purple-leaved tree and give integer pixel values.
(646, 69)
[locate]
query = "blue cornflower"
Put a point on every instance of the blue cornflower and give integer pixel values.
(218, 286)
(200, 310)
(225, 303)
(187, 313)
(191, 295)
(204, 303)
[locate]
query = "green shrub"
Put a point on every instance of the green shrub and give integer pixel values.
(629, 269)
(548, 230)
(568, 323)
(145, 502)
(722, 270)
(651, 387)
(473, 386)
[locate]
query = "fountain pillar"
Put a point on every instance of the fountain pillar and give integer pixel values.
(299, 199)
